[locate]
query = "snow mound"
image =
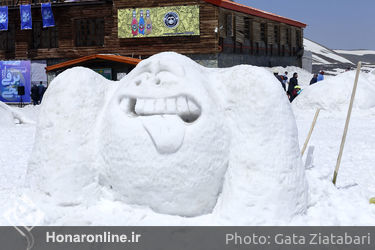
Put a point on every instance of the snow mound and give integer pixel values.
(6, 115)
(323, 55)
(334, 93)
(173, 136)
(10, 116)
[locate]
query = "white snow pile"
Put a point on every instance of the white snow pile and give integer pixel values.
(208, 146)
(361, 52)
(9, 116)
(321, 54)
(334, 93)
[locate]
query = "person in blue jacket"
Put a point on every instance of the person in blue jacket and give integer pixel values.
(320, 76)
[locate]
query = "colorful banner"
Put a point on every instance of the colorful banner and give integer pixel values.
(158, 22)
(3, 18)
(14, 74)
(47, 15)
(26, 21)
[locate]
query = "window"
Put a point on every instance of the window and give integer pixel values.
(89, 32)
(44, 37)
(287, 36)
(298, 39)
(276, 31)
(247, 27)
(230, 28)
(263, 35)
(7, 41)
(257, 49)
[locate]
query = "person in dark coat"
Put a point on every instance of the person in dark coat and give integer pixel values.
(35, 94)
(41, 90)
(314, 79)
(292, 83)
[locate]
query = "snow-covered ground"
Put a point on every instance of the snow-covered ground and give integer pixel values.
(323, 55)
(346, 204)
(356, 52)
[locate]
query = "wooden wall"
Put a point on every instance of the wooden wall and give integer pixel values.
(237, 36)
(206, 43)
(230, 36)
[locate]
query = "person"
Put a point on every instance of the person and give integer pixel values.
(296, 91)
(41, 90)
(280, 78)
(292, 83)
(35, 94)
(314, 79)
(285, 76)
(320, 76)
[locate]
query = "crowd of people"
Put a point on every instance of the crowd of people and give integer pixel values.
(292, 88)
(37, 92)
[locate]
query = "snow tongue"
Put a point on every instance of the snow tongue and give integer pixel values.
(167, 132)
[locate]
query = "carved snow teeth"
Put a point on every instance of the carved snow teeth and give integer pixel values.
(186, 108)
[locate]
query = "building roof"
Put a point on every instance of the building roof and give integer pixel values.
(115, 58)
(226, 4)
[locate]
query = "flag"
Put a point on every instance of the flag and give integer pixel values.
(47, 15)
(3, 18)
(26, 21)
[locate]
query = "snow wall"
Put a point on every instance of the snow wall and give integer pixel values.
(334, 93)
(6, 115)
(174, 136)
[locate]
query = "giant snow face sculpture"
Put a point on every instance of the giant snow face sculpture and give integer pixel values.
(173, 136)
(163, 139)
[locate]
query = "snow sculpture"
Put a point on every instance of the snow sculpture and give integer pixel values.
(174, 136)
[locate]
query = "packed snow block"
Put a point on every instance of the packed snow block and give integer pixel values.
(10, 116)
(6, 115)
(334, 93)
(62, 161)
(174, 136)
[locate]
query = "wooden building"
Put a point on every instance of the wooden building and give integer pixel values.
(229, 33)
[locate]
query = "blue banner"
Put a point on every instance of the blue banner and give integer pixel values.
(26, 21)
(14, 74)
(47, 15)
(3, 18)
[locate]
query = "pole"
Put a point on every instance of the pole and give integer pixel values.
(310, 132)
(346, 124)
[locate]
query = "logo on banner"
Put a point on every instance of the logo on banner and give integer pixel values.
(47, 15)
(26, 22)
(13, 75)
(24, 212)
(171, 20)
(158, 22)
(4, 18)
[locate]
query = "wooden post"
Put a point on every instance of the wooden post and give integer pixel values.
(310, 132)
(346, 124)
